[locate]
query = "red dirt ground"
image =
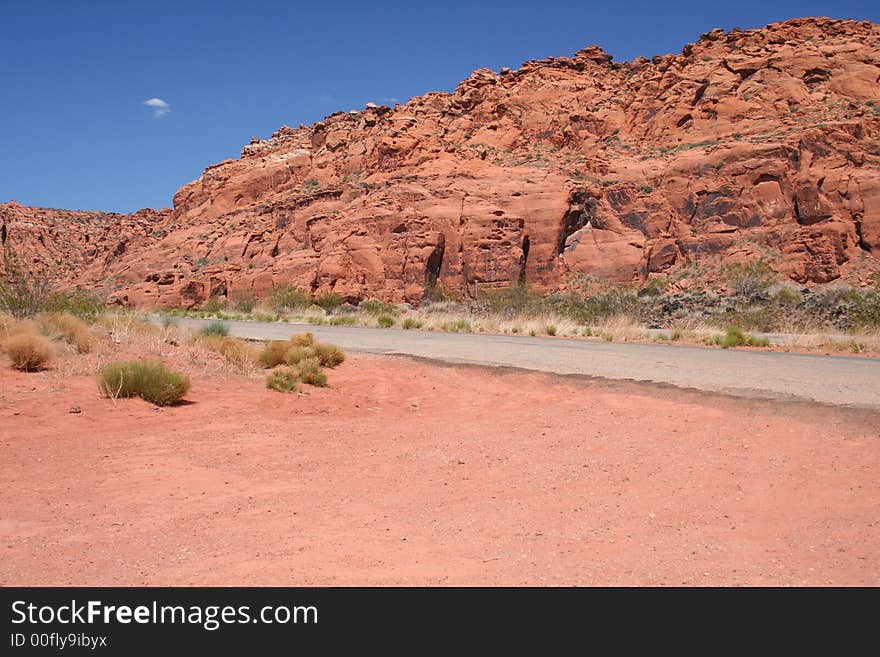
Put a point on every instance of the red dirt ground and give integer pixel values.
(410, 473)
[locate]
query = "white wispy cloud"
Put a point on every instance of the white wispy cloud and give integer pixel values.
(160, 107)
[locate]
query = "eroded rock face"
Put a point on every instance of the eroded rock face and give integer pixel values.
(761, 143)
(68, 246)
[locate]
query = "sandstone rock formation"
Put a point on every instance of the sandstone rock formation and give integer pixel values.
(749, 144)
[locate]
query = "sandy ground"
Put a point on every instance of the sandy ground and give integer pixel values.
(406, 473)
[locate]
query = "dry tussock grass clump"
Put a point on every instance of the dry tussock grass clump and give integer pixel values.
(29, 352)
(274, 353)
(134, 333)
(147, 379)
(329, 354)
(241, 355)
(69, 328)
(621, 328)
(299, 360)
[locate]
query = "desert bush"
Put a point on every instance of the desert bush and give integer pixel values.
(244, 302)
(302, 339)
(376, 307)
(437, 293)
(148, 379)
(410, 323)
(29, 351)
(274, 353)
(866, 309)
(309, 372)
(655, 287)
(71, 329)
(550, 329)
(343, 320)
(329, 355)
(241, 354)
(751, 279)
(216, 328)
(78, 303)
(329, 300)
(214, 304)
(735, 337)
(297, 354)
(458, 326)
(289, 297)
(385, 321)
(515, 300)
(283, 379)
(21, 295)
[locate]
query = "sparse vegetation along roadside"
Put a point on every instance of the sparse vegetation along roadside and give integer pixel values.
(299, 359)
(691, 307)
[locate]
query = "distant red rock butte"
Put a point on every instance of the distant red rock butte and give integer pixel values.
(749, 144)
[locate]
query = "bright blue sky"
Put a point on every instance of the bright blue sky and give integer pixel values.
(74, 75)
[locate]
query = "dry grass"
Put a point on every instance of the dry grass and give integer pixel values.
(854, 343)
(621, 329)
(243, 356)
(29, 352)
(69, 328)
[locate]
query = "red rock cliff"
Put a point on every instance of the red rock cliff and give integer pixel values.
(760, 143)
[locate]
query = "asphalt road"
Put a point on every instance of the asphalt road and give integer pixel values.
(839, 380)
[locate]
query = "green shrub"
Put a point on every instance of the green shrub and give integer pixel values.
(84, 305)
(385, 321)
(343, 320)
(245, 302)
(514, 300)
(216, 328)
(309, 371)
(289, 297)
(329, 300)
(214, 304)
(655, 287)
(751, 279)
(297, 354)
(29, 351)
(376, 307)
(410, 323)
(437, 293)
(736, 338)
(550, 329)
(21, 295)
(865, 311)
(458, 326)
(148, 379)
(283, 379)
(329, 355)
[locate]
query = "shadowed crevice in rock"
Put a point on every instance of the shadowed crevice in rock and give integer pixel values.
(526, 245)
(435, 263)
